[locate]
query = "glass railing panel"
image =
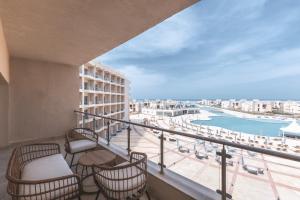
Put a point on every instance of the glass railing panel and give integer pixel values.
(196, 161)
(119, 137)
(146, 142)
(260, 176)
(249, 175)
(140, 141)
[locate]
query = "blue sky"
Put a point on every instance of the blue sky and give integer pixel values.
(216, 49)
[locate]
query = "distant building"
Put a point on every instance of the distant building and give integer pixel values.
(247, 106)
(225, 105)
(261, 106)
(254, 106)
(135, 107)
(168, 108)
(289, 107)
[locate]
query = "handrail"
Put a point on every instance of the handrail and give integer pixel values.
(218, 141)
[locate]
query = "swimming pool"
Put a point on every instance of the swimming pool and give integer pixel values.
(266, 127)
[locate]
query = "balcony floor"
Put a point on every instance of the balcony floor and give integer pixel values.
(4, 158)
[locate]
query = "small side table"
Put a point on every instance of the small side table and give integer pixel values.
(90, 158)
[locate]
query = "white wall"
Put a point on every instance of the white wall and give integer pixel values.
(4, 79)
(42, 96)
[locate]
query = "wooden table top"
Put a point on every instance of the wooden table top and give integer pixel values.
(97, 157)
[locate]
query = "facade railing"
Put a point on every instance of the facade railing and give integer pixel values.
(223, 156)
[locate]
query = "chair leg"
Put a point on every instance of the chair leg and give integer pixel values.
(98, 193)
(148, 196)
(66, 155)
(72, 160)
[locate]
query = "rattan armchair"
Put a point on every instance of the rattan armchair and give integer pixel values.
(125, 181)
(79, 140)
(29, 177)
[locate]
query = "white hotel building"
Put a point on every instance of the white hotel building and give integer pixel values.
(289, 107)
(253, 106)
(103, 91)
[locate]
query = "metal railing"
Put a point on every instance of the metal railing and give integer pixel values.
(223, 153)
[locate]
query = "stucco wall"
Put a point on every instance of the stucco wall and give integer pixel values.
(4, 78)
(3, 115)
(4, 57)
(43, 96)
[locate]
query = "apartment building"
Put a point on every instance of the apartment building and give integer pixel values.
(254, 106)
(289, 107)
(261, 106)
(135, 107)
(103, 91)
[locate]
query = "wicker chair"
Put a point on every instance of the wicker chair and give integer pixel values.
(125, 181)
(79, 140)
(38, 172)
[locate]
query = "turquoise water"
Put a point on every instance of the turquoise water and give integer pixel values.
(266, 127)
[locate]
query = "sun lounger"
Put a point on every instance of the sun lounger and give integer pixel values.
(253, 170)
(172, 139)
(251, 153)
(183, 149)
(201, 155)
(228, 162)
(208, 148)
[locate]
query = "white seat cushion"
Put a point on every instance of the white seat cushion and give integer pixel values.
(81, 145)
(121, 187)
(46, 168)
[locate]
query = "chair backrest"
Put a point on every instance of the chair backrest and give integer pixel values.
(79, 134)
(127, 180)
(82, 133)
(23, 154)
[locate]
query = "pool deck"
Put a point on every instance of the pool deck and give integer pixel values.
(281, 178)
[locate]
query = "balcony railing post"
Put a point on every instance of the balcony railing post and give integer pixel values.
(83, 120)
(223, 155)
(128, 139)
(107, 133)
(162, 153)
(77, 120)
(94, 124)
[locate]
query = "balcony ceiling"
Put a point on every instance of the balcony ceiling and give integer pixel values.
(74, 32)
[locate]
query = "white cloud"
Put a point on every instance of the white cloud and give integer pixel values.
(143, 83)
(168, 37)
(281, 64)
(220, 44)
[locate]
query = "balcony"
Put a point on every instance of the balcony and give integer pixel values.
(98, 89)
(211, 167)
(46, 48)
(97, 76)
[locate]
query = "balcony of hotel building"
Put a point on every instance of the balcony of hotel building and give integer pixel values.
(45, 75)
